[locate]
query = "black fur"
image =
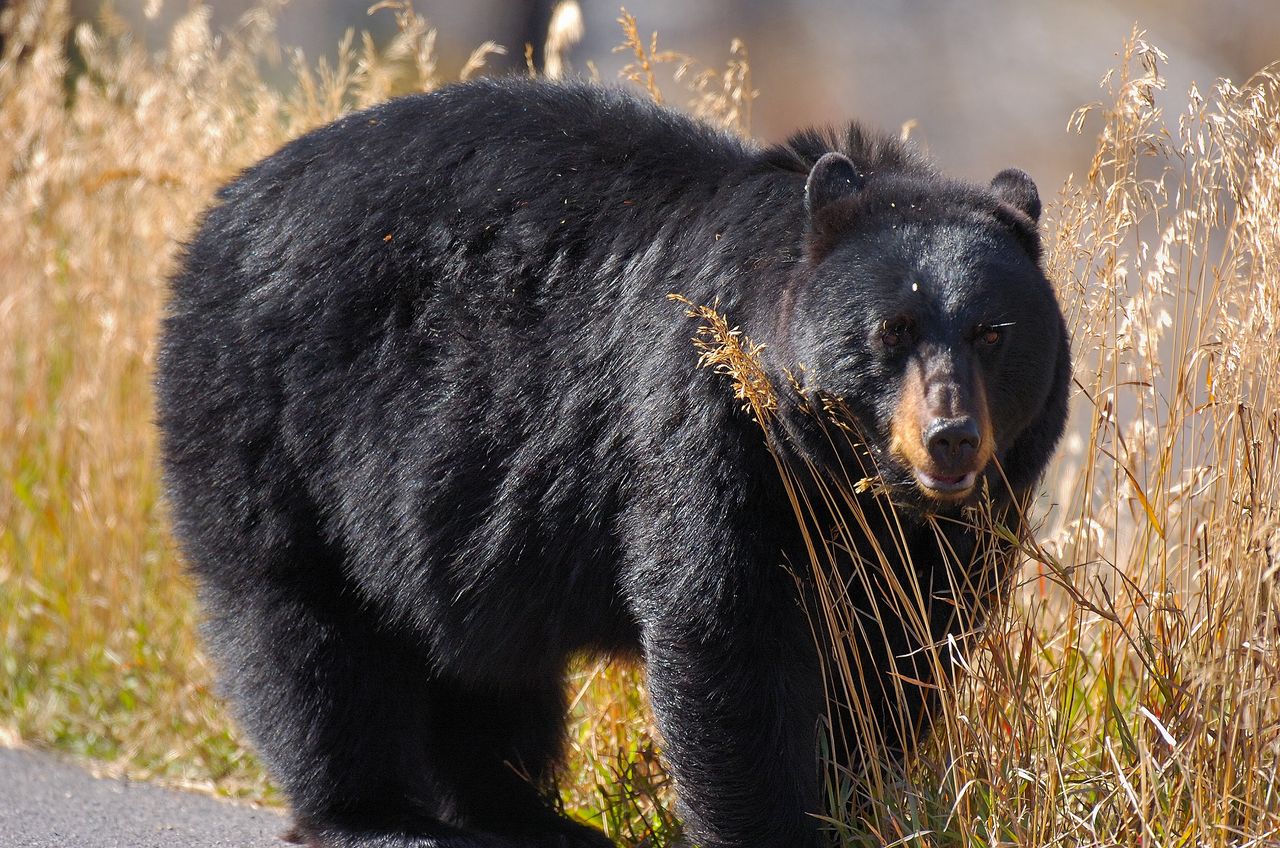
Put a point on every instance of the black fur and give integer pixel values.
(431, 428)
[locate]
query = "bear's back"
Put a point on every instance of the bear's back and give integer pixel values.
(424, 327)
(462, 211)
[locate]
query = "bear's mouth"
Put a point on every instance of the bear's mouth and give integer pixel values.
(946, 485)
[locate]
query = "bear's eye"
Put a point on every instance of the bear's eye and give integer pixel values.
(895, 332)
(988, 334)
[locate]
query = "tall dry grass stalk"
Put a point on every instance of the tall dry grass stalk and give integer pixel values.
(1126, 694)
(565, 30)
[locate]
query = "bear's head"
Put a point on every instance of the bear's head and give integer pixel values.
(922, 312)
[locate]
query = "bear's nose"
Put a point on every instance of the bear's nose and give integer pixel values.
(952, 442)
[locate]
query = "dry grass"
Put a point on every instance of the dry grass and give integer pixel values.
(721, 97)
(1128, 693)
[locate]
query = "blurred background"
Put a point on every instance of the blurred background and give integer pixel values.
(988, 84)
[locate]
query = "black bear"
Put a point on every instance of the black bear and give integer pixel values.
(431, 428)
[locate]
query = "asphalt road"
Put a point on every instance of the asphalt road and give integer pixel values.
(45, 803)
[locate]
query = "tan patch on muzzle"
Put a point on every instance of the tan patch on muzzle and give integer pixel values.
(911, 419)
(906, 428)
(982, 412)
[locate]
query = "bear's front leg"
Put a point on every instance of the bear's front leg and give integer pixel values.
(736, 689)
(737, 707)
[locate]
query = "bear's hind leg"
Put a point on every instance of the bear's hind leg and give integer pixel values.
(501, 750)
(371, 751)
(336, 711)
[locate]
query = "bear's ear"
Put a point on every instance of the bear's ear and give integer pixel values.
(1016, 188)
(831, 178)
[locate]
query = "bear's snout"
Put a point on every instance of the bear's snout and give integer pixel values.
(953, 443)
(940, 428)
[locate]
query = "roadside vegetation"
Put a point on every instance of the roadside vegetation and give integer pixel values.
(1129, 692)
